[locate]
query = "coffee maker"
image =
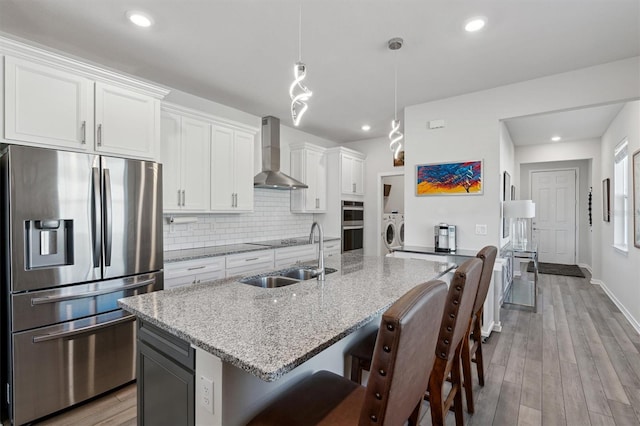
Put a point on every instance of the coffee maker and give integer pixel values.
(445, 237)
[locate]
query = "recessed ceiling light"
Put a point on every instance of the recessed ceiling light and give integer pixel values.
(366, 127)
(556, 138)
(475, 24)
(140, 19)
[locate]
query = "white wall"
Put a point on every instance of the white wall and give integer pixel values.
(379, 163)
(472, 132)
(507, 165)
(618, 272)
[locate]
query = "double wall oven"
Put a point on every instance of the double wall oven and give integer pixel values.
(352, 225)
(79, 231)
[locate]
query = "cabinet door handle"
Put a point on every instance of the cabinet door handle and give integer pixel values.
(99, 134)
(196, 267)
(184, 198)
(251, 259)
(354, 187)
(84, 132)
(179, 199)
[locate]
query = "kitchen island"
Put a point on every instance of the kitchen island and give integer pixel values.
(254, 342)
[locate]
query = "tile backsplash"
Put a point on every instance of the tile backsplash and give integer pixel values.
(271, 219)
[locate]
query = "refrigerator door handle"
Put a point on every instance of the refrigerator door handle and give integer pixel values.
(95, 218)
(57, 299)
(108, 218)
(82, 330)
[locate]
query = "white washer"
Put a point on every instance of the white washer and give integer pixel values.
(400, 229)
(389, 234)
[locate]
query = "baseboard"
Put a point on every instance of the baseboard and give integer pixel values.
(490, 328)
(497, 327)
(587, 267)
(634, 323)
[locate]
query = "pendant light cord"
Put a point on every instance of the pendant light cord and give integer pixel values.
(300, 34)
(395, 88)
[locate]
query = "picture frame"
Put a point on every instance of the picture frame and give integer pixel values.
(454, 178)
(606, 200)
(636, 198)
(506, 196)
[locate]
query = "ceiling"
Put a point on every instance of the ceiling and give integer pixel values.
(241, 52)
(573, 125)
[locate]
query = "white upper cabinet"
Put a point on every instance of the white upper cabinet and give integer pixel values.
(125, 122)
(352, 174)
(309, 165)
(56, 102)
(185, 146)
(231, 170)
(47, 106)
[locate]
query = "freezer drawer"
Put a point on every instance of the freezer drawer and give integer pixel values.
(61, 365)
(46, 307)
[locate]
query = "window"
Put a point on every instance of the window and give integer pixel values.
(621, 196)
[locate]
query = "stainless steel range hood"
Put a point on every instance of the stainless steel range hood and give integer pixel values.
(271, 176)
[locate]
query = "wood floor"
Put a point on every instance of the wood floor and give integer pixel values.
(576, 362)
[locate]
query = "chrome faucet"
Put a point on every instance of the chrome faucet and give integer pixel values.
(320, 270)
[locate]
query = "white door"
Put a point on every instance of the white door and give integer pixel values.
(222, 169)
(125, 122)
(357, 175)
(346, 165)
(243, 170)
(554, 227)
(47, 106)
(171, 163)
(196, 141)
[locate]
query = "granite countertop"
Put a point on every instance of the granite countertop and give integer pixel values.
(203, 252)
(269, 332)
(432, 250)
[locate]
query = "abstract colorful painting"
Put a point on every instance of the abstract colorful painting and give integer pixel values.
(449, 178)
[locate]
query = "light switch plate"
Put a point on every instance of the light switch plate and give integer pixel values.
(481, 229)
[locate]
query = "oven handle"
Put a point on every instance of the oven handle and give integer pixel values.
(349, 228)
(56, 299)
(83, 330)
(359, 209)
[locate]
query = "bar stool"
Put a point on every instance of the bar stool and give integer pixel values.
(488, 256)
(453, 330)
(402, 360)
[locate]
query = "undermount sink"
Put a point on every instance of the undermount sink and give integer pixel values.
(283, 277)
(269, 281)
(299, 274)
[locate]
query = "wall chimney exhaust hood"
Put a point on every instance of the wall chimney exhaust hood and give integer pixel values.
(271, 177)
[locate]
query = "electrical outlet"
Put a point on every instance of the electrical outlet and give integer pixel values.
(206, 393)
(481, 229)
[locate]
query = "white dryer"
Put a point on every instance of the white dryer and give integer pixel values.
(389, 234)
(400, 229)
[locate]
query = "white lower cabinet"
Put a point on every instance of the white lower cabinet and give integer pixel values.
(332, 248)
(178, 274)
(290, 256)
(249, 262)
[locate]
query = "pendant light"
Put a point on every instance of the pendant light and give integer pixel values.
(395, 136)
(298, 92)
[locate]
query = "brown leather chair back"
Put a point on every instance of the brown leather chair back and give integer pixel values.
(403, 355)
(488, 256)
(457, 309)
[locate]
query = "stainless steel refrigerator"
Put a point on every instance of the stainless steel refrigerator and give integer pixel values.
(79, 231)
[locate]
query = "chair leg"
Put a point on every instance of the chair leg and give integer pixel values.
(356, 370)
(415, 415)
(456, 382)
(435, 396)
(466, 371)
(477, 333)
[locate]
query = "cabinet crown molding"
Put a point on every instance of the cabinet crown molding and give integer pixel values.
(183, 110)
(307, 145)
(48, 58)
(348, 151)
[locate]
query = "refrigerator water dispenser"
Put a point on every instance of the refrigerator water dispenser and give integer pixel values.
(48, 243)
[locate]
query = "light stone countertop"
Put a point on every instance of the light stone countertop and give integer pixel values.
(269, 332)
